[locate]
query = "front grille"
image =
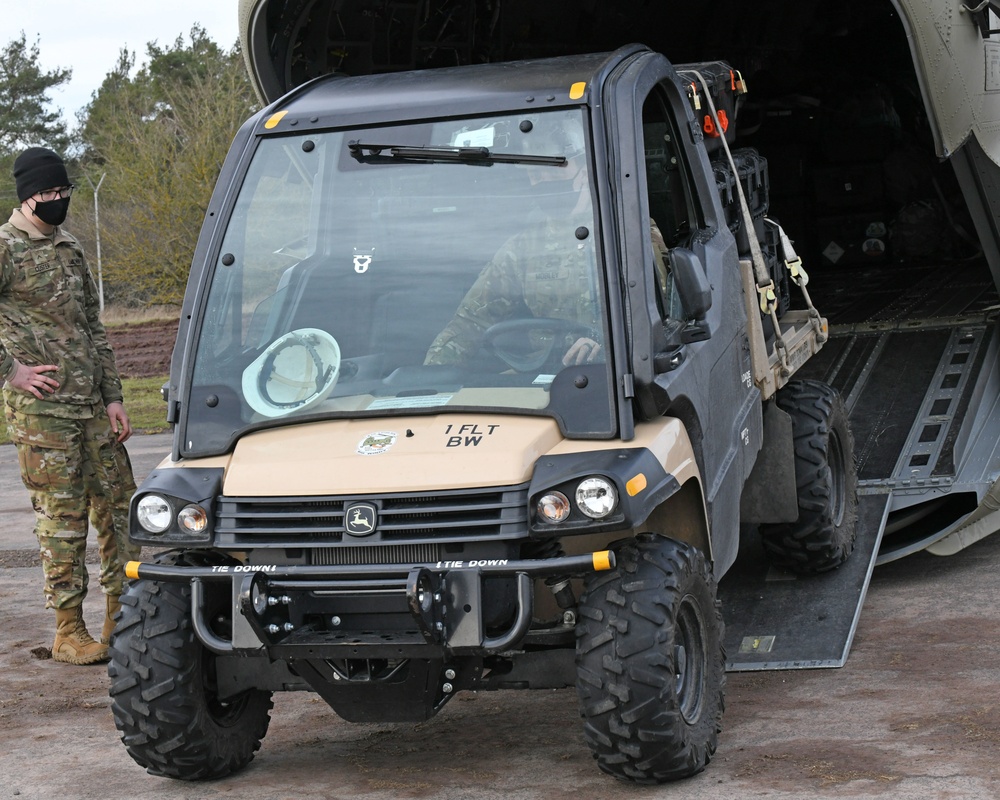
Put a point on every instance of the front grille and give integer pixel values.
(465, 515)
(386, 554)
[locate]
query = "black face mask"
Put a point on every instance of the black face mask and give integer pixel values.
(52, 212)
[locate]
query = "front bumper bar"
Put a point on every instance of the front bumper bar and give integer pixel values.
(444, 601)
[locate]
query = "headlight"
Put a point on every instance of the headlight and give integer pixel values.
(154, 513)
(553, 507)
(596, 497)
(193, 519)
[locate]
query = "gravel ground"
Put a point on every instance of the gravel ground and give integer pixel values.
(913, 714)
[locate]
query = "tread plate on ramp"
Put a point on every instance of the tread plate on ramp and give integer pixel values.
(776, 620)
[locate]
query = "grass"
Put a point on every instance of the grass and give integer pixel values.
(145, 405)
(119, 315)
(143, 402)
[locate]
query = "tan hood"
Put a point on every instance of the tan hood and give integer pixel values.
(389, 455)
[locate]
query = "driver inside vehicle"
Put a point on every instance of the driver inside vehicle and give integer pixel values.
(546, 272)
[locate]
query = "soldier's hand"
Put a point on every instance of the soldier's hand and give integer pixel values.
(33, 380)
(583, 351)
(120, 423)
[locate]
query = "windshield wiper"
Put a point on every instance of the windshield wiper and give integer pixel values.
(376, 153)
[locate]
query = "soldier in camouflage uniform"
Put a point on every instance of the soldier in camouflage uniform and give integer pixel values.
(543, 272)
(539, 273)
(63, 403)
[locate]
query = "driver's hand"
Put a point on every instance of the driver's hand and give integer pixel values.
(583, 351)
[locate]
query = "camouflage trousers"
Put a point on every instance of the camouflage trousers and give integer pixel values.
(74, 469)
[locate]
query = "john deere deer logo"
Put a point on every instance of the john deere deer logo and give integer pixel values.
(360, 519)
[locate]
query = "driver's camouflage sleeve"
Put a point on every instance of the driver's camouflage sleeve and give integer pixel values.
(545, 272)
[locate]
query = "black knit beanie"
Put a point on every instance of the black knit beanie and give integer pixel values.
(36, 169)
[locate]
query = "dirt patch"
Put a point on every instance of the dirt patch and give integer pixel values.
(142, 349)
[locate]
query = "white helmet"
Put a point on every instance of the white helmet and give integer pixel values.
(295, 372)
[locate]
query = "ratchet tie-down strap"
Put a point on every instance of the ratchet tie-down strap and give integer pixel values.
(762, 276)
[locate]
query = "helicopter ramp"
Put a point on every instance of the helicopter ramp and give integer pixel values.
(778, 620)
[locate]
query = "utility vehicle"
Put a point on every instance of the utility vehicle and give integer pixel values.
(511, 348)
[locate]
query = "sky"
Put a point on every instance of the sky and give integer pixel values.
(87, 35)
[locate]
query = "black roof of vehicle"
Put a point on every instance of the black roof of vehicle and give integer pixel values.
(335, 101)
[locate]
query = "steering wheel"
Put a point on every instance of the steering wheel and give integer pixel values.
(527, 345)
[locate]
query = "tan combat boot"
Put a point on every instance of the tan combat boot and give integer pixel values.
(112, 607)
(73, 644)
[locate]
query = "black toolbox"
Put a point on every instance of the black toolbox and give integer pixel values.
(726, 87)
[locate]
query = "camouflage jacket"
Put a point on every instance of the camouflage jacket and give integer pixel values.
(50, 314)
(543, 272)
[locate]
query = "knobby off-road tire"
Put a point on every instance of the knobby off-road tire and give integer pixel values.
(163, 693)
(650, 662)
(822, 538)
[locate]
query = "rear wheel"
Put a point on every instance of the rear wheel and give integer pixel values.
(822, 538)
(164, 691)
(650, 662)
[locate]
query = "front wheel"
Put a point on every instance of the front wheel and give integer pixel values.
(164, 691)
(650, 662)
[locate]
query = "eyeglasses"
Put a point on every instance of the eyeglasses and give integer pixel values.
(56, 194)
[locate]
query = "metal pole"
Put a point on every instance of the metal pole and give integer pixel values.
(97, 228)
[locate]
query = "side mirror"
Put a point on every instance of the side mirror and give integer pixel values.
(695, 292)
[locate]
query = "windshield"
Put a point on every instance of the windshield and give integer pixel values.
(408, 269)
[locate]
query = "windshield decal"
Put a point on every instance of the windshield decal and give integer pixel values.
(483, 137)
(363, 260)
(422, 401)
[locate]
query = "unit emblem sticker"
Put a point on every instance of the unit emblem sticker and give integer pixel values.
(374, 444)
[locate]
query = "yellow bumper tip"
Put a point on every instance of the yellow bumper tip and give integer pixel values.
(602, 560)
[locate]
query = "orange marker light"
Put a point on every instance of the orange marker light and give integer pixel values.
(636, 485)
(576, 90)
(274, 119)
(602, 560)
